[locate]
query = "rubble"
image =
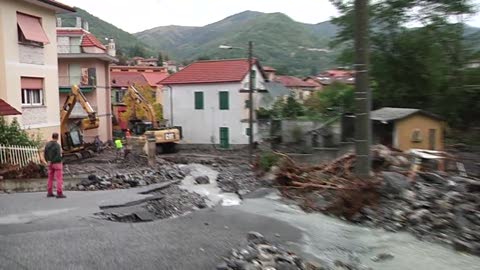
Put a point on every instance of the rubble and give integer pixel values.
(432, 205)
(259, 254)
(31, 170)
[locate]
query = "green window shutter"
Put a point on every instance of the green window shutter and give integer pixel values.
(247, 131)
(254, 79)
(223, 96)
(198, 100)
(247, 104)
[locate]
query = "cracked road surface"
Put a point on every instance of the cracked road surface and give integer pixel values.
(41, 233)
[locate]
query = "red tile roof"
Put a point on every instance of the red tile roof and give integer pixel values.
(213, 71)
(88, 39)
(337, 73)
(291, 81)
(125, 78)
(7, 109)
(153, 78)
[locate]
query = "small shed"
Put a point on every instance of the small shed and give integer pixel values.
(407, 128)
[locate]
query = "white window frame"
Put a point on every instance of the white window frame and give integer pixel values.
(28, 96)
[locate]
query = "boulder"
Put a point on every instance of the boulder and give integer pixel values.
(394, 183)
(202, 180)
(256, 238)
(472, 185)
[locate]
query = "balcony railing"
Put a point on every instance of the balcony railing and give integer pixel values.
(85, 80)
(69, 49)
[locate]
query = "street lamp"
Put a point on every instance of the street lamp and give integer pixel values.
(250, 93)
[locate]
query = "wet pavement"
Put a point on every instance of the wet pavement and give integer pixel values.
(41, 233)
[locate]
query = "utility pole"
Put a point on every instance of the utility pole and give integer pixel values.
(362, 91)
(250, 99)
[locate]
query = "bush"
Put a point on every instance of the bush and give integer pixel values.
(267, 160)
(13, 134)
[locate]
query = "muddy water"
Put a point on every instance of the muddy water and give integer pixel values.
(328, 238)
(211, 191)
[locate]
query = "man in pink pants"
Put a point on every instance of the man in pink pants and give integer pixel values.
(53, 155)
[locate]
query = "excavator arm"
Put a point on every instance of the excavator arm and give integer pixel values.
(144, 104)
(90, 122)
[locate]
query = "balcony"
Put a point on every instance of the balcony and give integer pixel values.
(69, 49)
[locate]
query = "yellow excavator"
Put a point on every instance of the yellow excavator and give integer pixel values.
(166, 138)
(72, 142)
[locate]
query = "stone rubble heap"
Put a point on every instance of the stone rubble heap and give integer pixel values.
(259, 254)
(433, 207)
(430, 204)
(131, 178)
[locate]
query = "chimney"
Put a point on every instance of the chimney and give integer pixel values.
(85, 25)
(59, 22)
(111, 48)
(78, 23)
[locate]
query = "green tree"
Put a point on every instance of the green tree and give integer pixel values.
(12, 134)
(292, 108)
(420, 67)
(337, 96)
(160, 59)
(134, 111)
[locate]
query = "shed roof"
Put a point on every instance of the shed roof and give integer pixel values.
(390, 114)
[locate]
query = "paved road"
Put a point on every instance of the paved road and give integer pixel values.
(41, 233)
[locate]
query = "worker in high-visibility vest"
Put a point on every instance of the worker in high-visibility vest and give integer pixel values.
(118, 147)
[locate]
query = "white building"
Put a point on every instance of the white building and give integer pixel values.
(209, 100)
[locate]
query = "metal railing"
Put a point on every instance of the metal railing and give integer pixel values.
(19, 155)
(76, 80)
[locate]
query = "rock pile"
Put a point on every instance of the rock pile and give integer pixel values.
(259, 254)
(433, 207)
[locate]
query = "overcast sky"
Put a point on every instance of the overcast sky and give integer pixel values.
(139, 15)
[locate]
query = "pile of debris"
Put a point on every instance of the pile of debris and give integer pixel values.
(31, 170)
(431, 204)
(130, 178)
(262, 255)
(167, 200)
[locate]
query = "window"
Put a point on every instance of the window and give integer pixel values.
(223, 99)
(416, 136)
(30, 30)
(254, 79)
(198, 100)
(248, 132)
(32, 91)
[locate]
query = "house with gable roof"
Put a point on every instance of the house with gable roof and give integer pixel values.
(209, 100)
(85, 61)
(28, 64)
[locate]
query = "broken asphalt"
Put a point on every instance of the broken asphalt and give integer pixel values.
(41, 233)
